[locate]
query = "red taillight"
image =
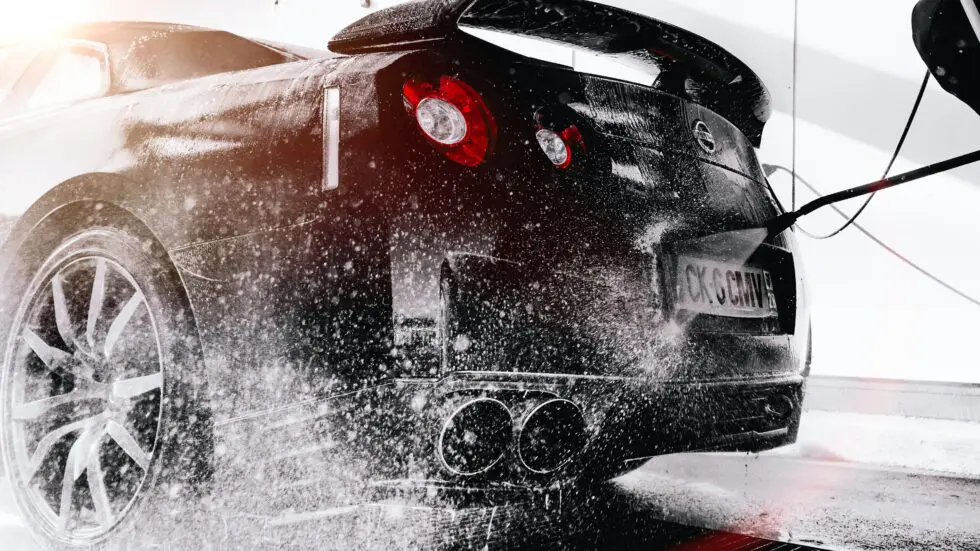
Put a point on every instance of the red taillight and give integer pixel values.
(561, 148)
(454, 118)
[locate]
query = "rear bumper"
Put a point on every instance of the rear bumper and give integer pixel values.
(733, 415)
(615, 320)
(629, 419)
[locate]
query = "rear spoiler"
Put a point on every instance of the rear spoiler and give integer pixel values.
(670, 55)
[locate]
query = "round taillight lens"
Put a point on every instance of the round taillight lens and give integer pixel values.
(561, 148)
(441, 121)
(454, 118)
(554, 147)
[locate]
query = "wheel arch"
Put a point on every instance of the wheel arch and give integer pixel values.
(76, 189)
(96, 194)
(95, 201)
(77, 203)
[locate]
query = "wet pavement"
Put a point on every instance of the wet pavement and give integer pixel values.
(833, 504)
(684, 502)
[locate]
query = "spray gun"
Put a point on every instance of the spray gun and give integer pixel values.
(946, 34)
(786, 220)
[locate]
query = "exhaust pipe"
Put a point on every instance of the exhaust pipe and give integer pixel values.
(475, 437)
(779, 408)
(551, 435)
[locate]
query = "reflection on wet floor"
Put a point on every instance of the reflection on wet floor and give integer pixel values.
(605, 516)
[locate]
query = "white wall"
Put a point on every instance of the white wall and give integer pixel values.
(874, 316)
(857, 77)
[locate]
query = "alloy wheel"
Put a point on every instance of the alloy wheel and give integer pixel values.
(83, 398)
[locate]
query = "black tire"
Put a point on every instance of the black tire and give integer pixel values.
(124, 495)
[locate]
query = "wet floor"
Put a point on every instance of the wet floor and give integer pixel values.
(608, 516)
(683, 502)
(697, 501)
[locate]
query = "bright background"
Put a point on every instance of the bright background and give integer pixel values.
(858, 74)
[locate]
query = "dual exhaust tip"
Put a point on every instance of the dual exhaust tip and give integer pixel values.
(478, 434)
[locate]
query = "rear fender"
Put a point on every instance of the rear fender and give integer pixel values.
(70, 200)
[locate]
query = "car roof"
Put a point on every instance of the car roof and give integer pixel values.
(122, 31)
(107, 32)
(113, 31)
(144, 54)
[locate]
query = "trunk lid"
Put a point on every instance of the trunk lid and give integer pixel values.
(677, 62)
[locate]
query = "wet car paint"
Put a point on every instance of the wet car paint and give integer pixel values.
(306, 297)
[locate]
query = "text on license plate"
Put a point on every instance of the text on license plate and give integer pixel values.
(711, 287)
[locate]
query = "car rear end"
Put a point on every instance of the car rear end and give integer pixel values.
(573, 287)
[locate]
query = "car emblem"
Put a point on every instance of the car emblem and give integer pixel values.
(704, 136)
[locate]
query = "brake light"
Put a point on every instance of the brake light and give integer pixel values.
(454, 118)
(561, 148)
(441, 121)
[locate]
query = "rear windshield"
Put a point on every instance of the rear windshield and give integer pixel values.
(578, 59)
(292, 50)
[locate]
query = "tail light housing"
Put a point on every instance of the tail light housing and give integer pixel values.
(453, 117)
(560, 135)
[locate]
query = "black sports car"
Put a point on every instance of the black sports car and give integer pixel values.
(418, 260)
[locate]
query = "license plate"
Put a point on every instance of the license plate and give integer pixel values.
(722, 289)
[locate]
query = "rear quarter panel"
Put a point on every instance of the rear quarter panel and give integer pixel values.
(227, 173)
(180, 146)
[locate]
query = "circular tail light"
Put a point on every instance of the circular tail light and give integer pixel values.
(554, 148)
(561, 148)
(441, 121)
(454, 118)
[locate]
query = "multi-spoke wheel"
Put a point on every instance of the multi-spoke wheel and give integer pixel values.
(89, 408)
